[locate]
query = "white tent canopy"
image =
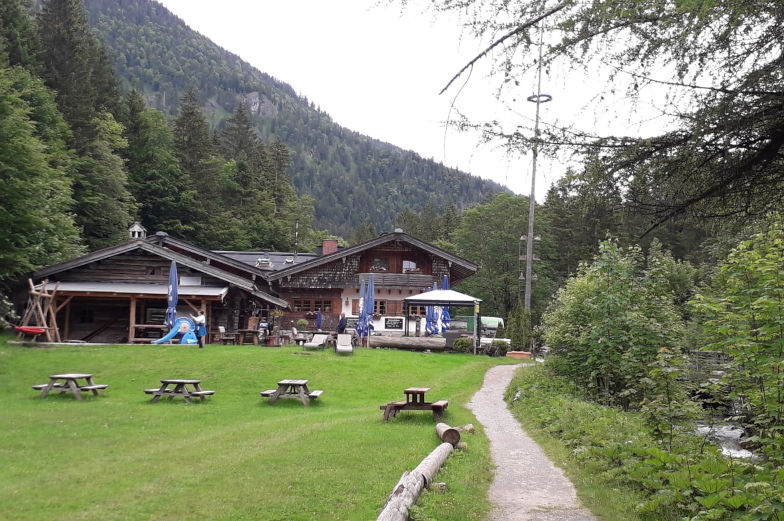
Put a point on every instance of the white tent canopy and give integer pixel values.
(441, 297)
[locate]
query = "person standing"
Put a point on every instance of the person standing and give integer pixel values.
(342, 323)
(201, 327)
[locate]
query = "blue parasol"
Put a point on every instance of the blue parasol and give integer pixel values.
(361, 311)
(445, 318)
(171, 310)
(431, 326)
(370, 302)
(318, 319)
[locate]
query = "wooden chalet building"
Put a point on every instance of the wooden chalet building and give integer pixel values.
(401, 265)
(118, 294)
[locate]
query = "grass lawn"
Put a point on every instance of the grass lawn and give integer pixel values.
(234, 457)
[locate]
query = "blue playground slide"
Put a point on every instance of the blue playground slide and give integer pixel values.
(184, 326)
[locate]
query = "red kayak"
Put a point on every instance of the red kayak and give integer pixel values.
(30, 330)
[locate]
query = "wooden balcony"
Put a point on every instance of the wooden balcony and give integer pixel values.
(397, 280)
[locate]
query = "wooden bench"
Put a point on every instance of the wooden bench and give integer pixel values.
(93, 387)
(41, 387)
(268, 393)
(315, 394)
(205, 392)
(392, 408)
(438, 408)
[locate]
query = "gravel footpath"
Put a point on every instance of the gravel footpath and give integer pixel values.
(527, 486)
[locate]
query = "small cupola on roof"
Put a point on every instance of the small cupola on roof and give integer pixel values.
(137, 231)
(264, 262)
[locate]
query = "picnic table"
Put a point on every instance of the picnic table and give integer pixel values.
(242, 336)
(69, 383)
(179, 387)
(292, 389)
(415, 401)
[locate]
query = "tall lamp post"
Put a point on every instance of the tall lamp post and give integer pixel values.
(537, 98)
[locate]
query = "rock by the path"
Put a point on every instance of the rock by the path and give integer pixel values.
(527, 486)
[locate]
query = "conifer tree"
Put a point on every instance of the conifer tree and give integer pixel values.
(165, 195)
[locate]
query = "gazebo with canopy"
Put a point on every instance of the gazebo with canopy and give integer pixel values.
(443, 297)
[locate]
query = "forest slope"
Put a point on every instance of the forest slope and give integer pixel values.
(351, 176)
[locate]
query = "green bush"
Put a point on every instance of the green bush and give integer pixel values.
(498, 348)
(463, 345)
(302, 323)
(620, 453)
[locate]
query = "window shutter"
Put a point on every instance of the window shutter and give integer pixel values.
(354, 306)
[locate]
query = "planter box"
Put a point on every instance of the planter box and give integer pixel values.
(518, 354)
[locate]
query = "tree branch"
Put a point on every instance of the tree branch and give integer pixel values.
(505, 37)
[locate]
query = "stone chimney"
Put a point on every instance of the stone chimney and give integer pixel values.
(329, 246)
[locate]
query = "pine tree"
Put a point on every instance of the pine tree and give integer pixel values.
(17, 34)
(105, 206)
(155, 179)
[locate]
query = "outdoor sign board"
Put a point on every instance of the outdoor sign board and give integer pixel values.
(393, 323)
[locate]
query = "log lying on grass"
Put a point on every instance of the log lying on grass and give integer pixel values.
(447, 434)
(413, 343)
(410, 485)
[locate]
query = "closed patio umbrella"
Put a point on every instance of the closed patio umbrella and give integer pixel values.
(171, 310)
(445, 317)
(318, 319)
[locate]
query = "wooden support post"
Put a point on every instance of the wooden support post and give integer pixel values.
(410, 485)
(68, 318)
(447, 434)
(132, 321)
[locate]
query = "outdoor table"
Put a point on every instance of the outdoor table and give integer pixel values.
(292, 389)
(416, 394)
(180, 388)
(415, 401)
(241, 336)
(70, 384)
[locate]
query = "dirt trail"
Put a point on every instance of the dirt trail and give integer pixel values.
(527, 486)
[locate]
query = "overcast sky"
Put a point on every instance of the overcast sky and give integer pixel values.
(378, 71)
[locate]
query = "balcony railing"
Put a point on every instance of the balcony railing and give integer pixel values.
(397, 280)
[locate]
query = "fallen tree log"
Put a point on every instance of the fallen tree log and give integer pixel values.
(410, 485)
(414, 343)
(447, 434)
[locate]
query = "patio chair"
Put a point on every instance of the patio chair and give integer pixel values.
(225, 337)
(318, 341)
(297, 337)
(343, 345)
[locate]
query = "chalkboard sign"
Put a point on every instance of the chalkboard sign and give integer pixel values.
(393, 323)
(351, 323)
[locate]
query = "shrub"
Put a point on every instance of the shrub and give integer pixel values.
(610, 320)
(302, 323)
(498, 348)
(463, 345)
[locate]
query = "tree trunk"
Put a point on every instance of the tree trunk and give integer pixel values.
(407, 342)
(410, 485)
(447, 434)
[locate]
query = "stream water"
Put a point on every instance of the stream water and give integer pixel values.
(727, 436)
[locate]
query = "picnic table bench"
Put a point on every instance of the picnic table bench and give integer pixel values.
(415, 401)
(292, 389)
(180, 388)
(70, 384)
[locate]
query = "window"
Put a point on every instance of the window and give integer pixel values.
(380, 307)
(312, 305)
(410, 266)
(380, 264)
(324, 305)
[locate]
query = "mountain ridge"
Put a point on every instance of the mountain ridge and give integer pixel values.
(351, 176)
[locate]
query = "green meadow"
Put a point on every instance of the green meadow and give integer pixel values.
(118, 456)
